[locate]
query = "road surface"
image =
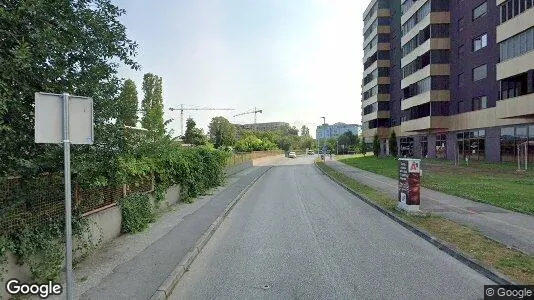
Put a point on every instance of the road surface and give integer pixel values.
(297, 235)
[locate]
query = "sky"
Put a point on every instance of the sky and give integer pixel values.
(296, 60)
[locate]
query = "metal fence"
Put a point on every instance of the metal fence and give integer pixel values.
(35, 201)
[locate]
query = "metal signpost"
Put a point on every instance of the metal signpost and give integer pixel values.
(61, 118)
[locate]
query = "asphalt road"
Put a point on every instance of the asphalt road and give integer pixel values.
(297, 235)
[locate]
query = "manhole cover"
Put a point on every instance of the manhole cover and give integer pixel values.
(265, 286)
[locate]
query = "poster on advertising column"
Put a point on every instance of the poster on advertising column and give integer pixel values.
(409, 184)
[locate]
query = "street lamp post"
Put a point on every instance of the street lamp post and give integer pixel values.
(324, 140)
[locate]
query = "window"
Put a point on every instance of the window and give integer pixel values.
(461, 51)
(480, 103)
(480, 42)
(511, 8)
(480, 11)
(517, 45)
(460, 24)
(461, 79)
(441, 145)
(507, 144)
(471, 144)
(480, 72)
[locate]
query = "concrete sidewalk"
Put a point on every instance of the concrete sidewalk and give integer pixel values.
(133, 266)
(510, 228)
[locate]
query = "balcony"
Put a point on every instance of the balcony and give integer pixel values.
(375, 98)
(429, 70)
(518, 107)
(381, 114)
(516, 65)
(515, 25)
(383, 132)
(426, 123)
(430, 96)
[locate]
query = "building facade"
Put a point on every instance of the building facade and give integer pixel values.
(461, 78)
(333, 131)
(271, 126)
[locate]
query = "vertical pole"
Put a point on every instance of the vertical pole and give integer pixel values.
(68, 211)
(518, 158)
(182, 119)
(526, 156)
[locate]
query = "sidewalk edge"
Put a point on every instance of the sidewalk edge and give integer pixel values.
(166, 288)
(488, 272)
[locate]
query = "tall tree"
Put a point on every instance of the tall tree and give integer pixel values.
(152, 104)
(393, 144)
(194, 135)
(127, 104)
(376, 145)
(58, 46)
(304, 131)
(222, 132)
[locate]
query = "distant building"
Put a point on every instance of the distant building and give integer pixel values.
(271, 126)
(334, 131)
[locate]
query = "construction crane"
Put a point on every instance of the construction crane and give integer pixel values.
(255, 111)
(182, 108)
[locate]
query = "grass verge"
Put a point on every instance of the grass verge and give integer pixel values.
(512, 263)
(497, 184)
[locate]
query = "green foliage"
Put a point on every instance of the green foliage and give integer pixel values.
(307, 142)
(393, 150)
(193, 135)
(304, 131)
(252, 143)
(222, 132)
(376, 145)
(5, 245)
(42, 247)
(363, 147)
(348, 141)
(331, 143)
(152, 104)
(127, 104)
(56, 46)
(137, 213)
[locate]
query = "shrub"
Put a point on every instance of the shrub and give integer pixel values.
(393, 144)
(137, 212)
(376, 145)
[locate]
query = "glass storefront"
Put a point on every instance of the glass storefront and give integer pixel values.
(406, 147)
(424, 146)
(471, 144)
(441, 145)
(512, 137)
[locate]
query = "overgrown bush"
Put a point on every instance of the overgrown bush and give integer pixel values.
(376, 145)
(137, 213)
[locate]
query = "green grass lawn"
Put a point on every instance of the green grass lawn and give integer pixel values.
(514, 264)
(493, 183)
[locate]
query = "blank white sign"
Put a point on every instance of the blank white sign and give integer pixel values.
(49, 119)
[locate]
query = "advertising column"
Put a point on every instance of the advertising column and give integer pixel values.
(409, 184)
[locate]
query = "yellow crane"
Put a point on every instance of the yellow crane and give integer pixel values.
(182, 108)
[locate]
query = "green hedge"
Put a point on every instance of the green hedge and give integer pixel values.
(137, 213)
(196, 169)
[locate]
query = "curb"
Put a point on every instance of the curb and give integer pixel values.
(488, 272)
(166, 288)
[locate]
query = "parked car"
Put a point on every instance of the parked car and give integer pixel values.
(292, 154)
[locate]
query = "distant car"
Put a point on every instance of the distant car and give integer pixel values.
(292, 154)
(311, 153)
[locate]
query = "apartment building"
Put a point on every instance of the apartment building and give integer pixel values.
(333, 131)
(466, 84)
